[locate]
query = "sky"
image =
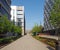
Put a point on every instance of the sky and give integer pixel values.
(34, 11)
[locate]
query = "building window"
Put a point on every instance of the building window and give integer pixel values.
(19, 12)
(19, 19)
(19, 23)
(5, 4)
(19, 16)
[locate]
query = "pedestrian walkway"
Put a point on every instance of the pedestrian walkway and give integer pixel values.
(27, 42)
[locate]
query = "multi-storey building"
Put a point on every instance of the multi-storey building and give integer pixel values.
(18, 17)
(5, 11)
(5, 8)
(47, 8)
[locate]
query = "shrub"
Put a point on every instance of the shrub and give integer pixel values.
(7, 26)
(5, 40)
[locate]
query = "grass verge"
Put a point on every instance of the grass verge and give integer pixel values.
(48, 41)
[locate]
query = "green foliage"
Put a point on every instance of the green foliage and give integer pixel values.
(8, 39)
(5, 40)
(55, 14)
(7, 26)
(37, 28)
(17, 29)
(1, 25)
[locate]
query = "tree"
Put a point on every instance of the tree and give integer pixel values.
(17, 30)
(7, 26)
(55, 15)
(4, 25)
(1, 25)
(37, 28)
(40, 28)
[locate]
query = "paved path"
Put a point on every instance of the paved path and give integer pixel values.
(26, 43)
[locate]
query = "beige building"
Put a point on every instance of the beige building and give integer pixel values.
(17, 15)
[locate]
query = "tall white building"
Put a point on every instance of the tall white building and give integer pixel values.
(17, 16)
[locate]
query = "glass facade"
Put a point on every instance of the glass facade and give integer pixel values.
(47, 8)
(5, 8)
(5, 4)
(3, 11)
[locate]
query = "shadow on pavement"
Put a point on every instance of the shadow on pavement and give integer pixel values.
(50, 48)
